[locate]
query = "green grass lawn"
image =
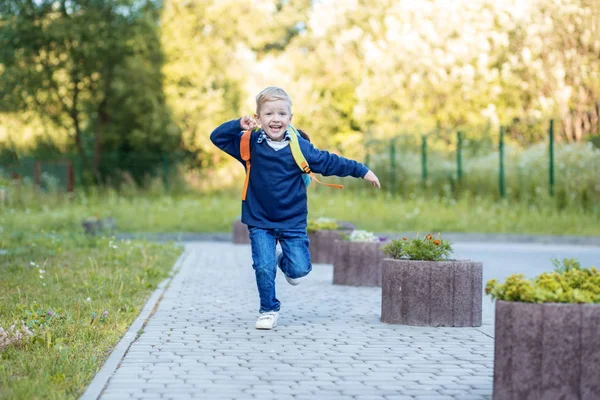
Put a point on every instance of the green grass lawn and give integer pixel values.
(369, 209)
(78, 296)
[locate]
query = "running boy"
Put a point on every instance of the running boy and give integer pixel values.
(275, 208)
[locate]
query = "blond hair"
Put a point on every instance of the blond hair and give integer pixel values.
(271, 93)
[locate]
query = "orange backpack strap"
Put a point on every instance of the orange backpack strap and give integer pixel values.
(245, 154)
(333, 185)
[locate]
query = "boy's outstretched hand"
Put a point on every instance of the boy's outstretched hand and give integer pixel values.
(371, 177)
(247, 123)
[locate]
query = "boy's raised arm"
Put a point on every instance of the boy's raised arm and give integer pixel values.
(328, 164)
(227, 135)
(227, 138)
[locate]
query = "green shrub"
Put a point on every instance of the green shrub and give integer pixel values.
(322, 224)
(427, 249)
(568, 283)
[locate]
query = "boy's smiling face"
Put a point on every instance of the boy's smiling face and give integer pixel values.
(274, 118)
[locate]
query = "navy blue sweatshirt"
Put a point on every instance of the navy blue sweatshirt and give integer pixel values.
(276, 197)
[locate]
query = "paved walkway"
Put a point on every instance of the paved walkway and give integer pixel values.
(329, 343)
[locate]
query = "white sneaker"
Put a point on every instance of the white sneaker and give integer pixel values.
(293, 281)
(267, 320)
(278, 253)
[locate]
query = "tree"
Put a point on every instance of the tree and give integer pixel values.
(78, 63)
(211, 49)
(434, 64)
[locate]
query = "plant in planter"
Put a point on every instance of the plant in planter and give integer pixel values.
(322, 233)
(421, 286)
(359, 236)
(241, 235)
(426, 249)
(546, 338)
(357, 259)
(322, 224)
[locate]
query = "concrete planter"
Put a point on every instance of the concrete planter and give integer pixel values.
(357, 263)
(94, 226)
(321, 246)
(547, 351)
(321, 243)
(240, 233)
(431, 293)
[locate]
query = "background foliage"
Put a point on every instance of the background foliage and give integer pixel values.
(107, 79)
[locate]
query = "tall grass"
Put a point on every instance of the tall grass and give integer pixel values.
(368, 208)
(526, 173)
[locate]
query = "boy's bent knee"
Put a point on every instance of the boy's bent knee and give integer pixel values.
(298, 271)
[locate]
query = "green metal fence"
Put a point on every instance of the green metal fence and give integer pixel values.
(65, 173)
(447, 164)
(451, 164)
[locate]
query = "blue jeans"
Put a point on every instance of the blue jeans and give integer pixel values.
(294, 262)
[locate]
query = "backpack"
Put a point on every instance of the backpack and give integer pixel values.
(296, 153)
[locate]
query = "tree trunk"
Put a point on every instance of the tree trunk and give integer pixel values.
(78, 134)
(597, 109)
(587, 123)
(568, 126)
(101, 124)
(103, 116)
(577, 121)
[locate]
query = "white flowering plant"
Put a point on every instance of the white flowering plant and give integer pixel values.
(14, 335)
(362, 236)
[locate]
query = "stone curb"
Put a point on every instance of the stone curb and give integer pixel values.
(452, 236)
(101, 379)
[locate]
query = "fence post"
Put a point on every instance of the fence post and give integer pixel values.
(551, 137)
(501, 152)
(393, 166)
(165, 174)
(424, 160)
(459, 169)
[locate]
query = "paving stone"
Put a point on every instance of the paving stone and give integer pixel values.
(421, 392)
(398, 397)
(147, 395)
(482, 392)
(323, 395)
(115, 396)
(455, 393)
(201, 342)
(438, 380)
